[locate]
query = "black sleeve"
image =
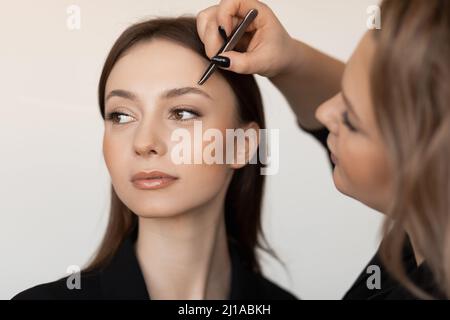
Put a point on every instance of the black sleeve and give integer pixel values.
(321, 135)
(39, 292)
(58, 290)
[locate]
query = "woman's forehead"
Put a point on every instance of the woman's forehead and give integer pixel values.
(158, 65)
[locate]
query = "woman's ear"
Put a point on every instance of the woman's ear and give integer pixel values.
(246, 141)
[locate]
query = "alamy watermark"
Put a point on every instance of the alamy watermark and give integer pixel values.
(374, 280)
(74, 279)
(73, 21)
(374, 18)
(239, 146)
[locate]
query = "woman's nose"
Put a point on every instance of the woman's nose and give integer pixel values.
(148, 139)
(329, 114)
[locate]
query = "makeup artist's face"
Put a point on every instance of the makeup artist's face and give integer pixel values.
(362, 168)
(138, 138)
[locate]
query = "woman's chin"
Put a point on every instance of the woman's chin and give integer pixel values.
(156, 212)
(155, 208)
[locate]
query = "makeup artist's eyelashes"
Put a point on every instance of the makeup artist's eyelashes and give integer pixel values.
(176, 113)
(347, 122)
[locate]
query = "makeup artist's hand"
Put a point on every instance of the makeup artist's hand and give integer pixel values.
(266, 48)
(305, 76)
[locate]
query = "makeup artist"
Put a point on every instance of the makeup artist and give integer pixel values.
(383, 117)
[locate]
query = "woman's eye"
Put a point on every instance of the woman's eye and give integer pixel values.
(347, 122)
(183, 114)
(116, 117)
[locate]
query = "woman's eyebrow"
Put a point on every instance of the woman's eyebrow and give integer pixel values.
(121, 93)
(171, 93)
(176, 92)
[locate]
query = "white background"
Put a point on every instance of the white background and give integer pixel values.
(54, 186)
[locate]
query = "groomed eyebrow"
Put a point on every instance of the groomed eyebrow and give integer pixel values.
(168, 94)
(122, 94)
(176, 92)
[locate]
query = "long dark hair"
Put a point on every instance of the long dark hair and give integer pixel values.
(410, 82)
(244, 195)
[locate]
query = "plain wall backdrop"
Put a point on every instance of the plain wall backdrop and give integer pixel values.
(54, 185)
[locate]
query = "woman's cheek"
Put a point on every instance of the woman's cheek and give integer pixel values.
(113, 153)
(107, 150)
(204, 177)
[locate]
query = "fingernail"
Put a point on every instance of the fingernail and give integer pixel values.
(223, 33)
(221, 61)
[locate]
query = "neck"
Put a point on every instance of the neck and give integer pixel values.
(185, 256)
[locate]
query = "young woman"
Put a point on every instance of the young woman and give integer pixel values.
(385, 120)
(176, 231)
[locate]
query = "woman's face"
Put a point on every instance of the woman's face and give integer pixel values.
(362, 168)
(154, 90)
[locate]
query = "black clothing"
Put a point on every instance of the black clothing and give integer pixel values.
(122, 279)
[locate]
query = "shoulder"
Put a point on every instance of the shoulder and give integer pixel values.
(250, 284)
(62, 289)
(268, 290)
(389, 288)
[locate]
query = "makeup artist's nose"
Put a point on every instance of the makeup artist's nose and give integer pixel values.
(148, 138)
(329, 113)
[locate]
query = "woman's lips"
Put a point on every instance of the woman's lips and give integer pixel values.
(154, 183)
(152, 180)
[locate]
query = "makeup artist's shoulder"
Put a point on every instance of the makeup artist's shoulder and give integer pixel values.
(64, 289)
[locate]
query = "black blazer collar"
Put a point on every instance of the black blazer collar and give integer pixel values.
(122, 278)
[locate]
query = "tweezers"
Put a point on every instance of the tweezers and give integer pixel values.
(229, 45)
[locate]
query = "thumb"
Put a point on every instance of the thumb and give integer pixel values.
(239, 62)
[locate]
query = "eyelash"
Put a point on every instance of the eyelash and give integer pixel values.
(180, 109)
(347, 122)
(112, 116)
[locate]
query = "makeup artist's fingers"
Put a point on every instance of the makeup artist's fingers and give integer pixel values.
(207, 29)
(212, 39)
(267, 45)
(230, 9)
(242, 62)
(247, 63)
(266, 55)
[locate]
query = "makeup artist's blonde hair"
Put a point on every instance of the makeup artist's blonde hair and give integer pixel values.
(410, 80)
